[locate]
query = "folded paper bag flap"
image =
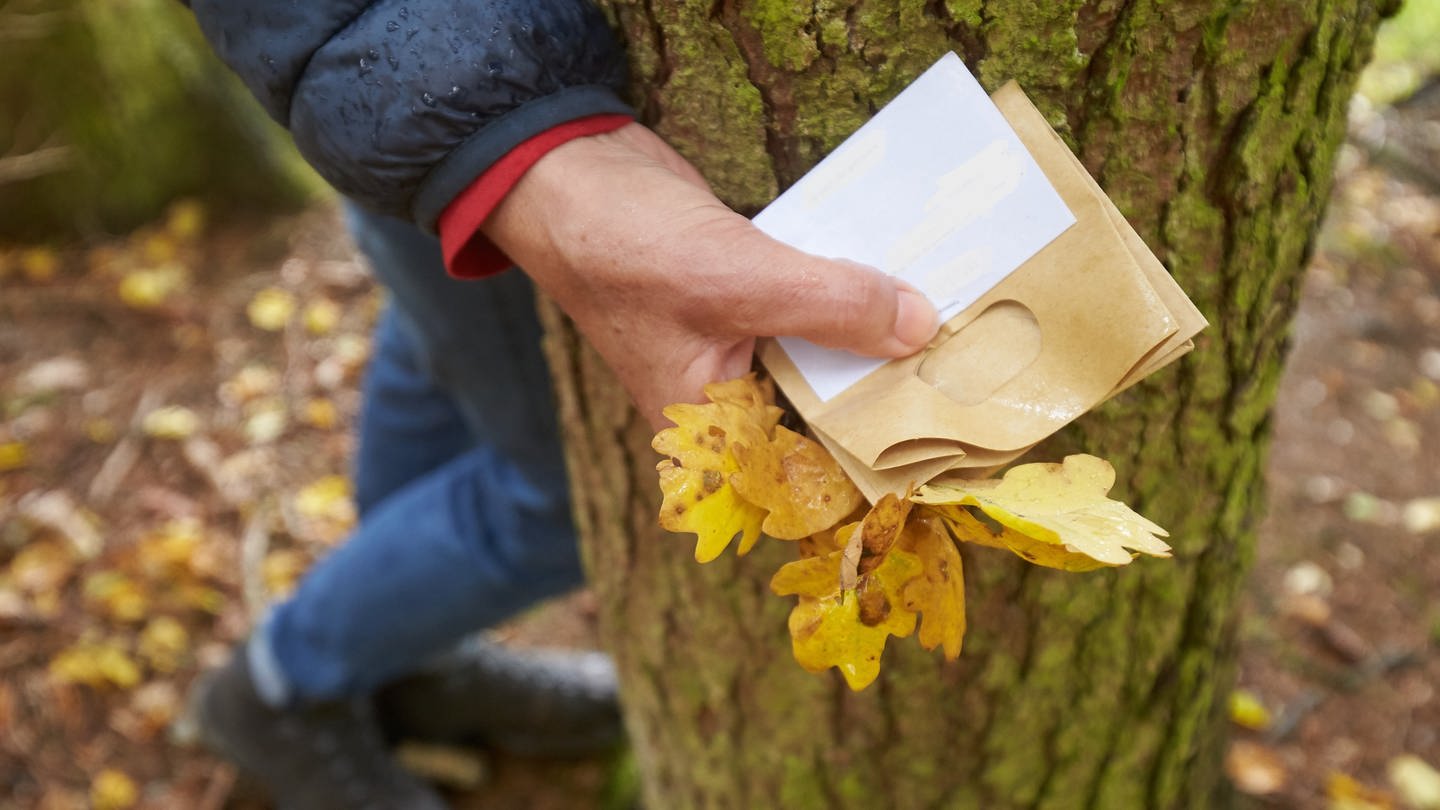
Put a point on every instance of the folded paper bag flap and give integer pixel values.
(1095, 313)
(873, 483)
(912, 451)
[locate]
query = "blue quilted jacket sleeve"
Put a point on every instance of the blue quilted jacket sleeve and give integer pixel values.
(401, 104)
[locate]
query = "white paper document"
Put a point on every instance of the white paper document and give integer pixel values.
(936, 189)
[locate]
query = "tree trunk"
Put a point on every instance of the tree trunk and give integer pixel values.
(109, 111)
(1214, 125)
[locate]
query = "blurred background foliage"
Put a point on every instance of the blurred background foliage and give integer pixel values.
(1407, 54)
(110, 109)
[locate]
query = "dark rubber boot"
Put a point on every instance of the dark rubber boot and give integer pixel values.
(325, 757)
(555, 703)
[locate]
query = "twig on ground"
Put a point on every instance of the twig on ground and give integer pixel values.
(254, 544)
(1351, 679)
(117, 465)
(30, 165)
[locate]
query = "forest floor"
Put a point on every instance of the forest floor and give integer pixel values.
(175, 415)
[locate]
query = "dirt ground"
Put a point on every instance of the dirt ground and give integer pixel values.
(175, 414)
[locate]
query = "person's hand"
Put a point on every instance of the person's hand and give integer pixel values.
(670, 285)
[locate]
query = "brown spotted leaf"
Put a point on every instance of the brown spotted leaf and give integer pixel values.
(938, 594)
(797, 481)
(695, 478)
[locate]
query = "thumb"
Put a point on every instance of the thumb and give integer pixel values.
(833, 302)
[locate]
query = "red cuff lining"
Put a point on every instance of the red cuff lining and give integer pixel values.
(468, 252)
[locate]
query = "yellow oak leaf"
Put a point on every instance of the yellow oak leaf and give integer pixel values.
(846, 629)
(811, 576)
(797, 481)
(695, 478)
(1059, 504)
(939, 592)
(271, 309)
(322, 316)
(113, 789)
(171, 422)
(96, 664)
(185, 220)
(967, 528)
(151, 287)
(163, 644)
(13, 456)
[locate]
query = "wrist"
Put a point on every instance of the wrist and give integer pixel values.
(468, 250)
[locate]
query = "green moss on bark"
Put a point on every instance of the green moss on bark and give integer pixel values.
(1213, 125)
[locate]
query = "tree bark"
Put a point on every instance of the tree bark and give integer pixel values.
(1214, 126)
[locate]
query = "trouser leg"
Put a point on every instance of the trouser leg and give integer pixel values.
(463, 545)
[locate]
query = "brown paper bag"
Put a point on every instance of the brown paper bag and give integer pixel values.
(1089, 315)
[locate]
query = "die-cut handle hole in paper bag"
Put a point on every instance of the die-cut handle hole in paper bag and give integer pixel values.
(1088, 315)
(970, 365)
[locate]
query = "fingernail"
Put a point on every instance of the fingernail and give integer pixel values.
(915, 319)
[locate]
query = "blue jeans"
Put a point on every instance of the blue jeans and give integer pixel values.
(460, 483)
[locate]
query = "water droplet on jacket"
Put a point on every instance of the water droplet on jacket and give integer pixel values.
(404, 13)
(365, 66)
(428, 99)
(454, 89)
(270, 62)
(372, 54)
(394, 63)
(496, 68)
(392, 26)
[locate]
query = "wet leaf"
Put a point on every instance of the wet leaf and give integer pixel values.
(185, 220)
(326, 498)
(1255, 769)
(271, 309)
(39, 264)
(56, 374)
(267, 422)
(96, 664)
(170, 422)
(872, 540)
(282, 569)
(13, 456)
(57, 511)
(848, 628)
(320, 413)
(938, 594)
(113, 789)
(797, 481)
(249, 383)
(42, 567)
(156, 705)
(157, 247)
(1059, 504)
(1417, 782)
(811, 576)
(164, 644)
(1247, 710)
(117, 596)
(968, 528)
(1420, 516)
(1345, 792)
(152, 287)
(170, 551)
(321, 316)
(695, 478)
